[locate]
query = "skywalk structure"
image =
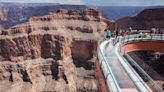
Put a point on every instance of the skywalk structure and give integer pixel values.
(117, 72)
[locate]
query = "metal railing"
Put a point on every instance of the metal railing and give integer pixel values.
(109, 76)
(137, 37)
(124, 40)
(139, 83)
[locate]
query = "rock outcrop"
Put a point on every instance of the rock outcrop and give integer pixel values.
(53, 53)
(147, 19)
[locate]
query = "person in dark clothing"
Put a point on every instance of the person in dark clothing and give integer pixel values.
(116, 33)
(105, 30)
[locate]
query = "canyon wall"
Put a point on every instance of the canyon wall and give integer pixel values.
(52, 53)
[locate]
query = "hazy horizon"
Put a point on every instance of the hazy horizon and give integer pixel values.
(94, 2)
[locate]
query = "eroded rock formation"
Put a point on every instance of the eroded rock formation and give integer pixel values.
(53, 53)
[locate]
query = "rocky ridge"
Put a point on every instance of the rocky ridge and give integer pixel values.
(146, 19)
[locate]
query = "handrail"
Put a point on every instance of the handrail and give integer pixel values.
(112, 75)
(136, 38)
(131, 72)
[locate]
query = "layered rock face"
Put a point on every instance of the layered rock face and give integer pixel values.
(53, 53)
(147, 19)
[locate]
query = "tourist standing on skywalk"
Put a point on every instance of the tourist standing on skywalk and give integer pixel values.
(116, 33)
(108, 34)
(124, 34)
(105, 33)
(121, 32)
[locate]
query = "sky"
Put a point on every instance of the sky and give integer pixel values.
(97, 2)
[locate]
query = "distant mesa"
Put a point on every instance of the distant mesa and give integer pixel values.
(146, 19)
